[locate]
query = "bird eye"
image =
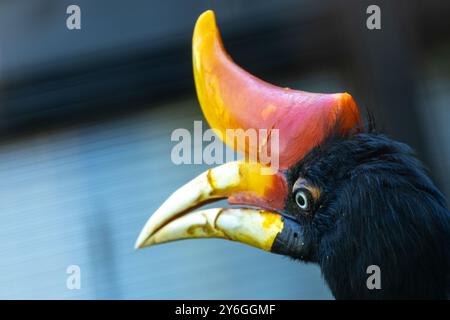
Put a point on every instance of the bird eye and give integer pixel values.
(303, 198)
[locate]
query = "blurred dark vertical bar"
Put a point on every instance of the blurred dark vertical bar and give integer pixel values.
(384, 63)
(102, 251)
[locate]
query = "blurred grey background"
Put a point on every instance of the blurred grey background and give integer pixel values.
(86, 118)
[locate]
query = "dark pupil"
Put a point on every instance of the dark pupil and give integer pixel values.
(301, 200)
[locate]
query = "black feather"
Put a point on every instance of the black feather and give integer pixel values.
(377, 207)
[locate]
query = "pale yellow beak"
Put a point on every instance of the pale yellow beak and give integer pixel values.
(240, 181)
(257, 228)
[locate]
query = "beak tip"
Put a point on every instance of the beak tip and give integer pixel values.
(140, 242)
(137, 245)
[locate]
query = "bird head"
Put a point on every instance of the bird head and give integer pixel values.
(337, 197)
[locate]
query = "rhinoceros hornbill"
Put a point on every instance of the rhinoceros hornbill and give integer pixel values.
(344, 197)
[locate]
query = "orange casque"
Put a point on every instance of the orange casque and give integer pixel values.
(231, 98)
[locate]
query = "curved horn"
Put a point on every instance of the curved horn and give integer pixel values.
(231, 98)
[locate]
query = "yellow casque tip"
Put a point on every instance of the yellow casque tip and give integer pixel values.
(206, 24)
(206, 18)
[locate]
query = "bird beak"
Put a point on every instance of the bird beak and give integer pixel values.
(231, 98)
(240, 183)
